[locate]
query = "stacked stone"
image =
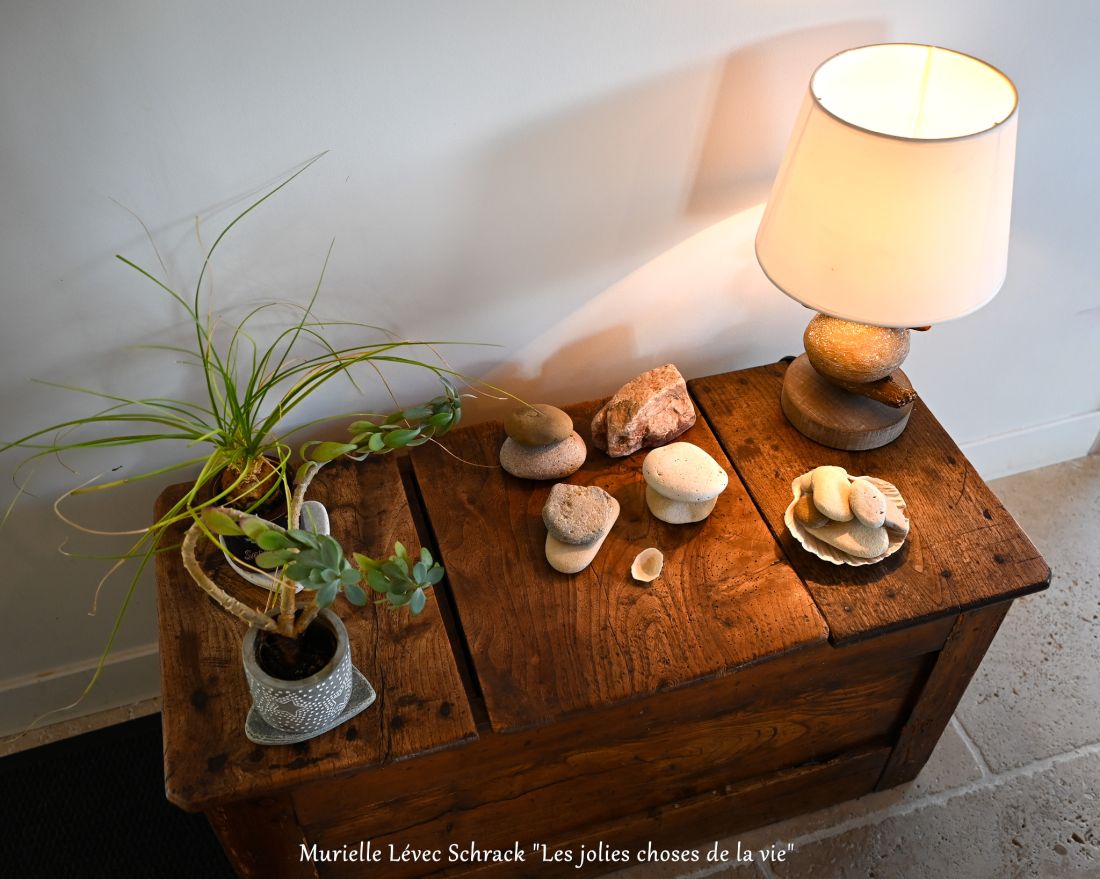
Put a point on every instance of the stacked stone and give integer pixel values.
(682, 483)
(578, 518)
(541, 443)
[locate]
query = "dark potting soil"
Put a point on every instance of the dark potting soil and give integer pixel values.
(292, 659)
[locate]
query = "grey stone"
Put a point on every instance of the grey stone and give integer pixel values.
(571, 558)
(576, 513)
(538, 425)
(554, 461)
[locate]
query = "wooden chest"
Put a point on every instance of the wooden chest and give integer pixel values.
(532, 712)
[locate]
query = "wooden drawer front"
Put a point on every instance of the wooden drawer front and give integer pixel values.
(691, 820)
(558, 780)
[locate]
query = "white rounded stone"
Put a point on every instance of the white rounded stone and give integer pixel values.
(831, 488)
(677, 512)
(867, 503)
(684, 472)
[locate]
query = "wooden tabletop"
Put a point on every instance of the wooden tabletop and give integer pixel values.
(545, 644)
(421, 704)
(964, 549)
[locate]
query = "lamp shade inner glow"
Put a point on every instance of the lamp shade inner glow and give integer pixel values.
(893, 201)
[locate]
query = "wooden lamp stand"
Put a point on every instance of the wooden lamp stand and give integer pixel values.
(846, 391)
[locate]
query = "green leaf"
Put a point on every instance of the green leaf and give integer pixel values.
(377, 442)
(327, 594)
(355, 594)
(325, 452)
(417, 601)
(396, 439)
(440, 419)
(220, 523)
(298, 572)
(349, 576)
(420, 572)
(377, 580)
(275, 558)
(331, 553)
(435, 574)
(397, 599)
(272, 540)
(306, 538)
(396, 570)
(399, 550)
(254, 527)
(362, 427)
(365, 563)
(425, 556)
(416, 413)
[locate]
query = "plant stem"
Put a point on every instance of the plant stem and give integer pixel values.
(228, 602)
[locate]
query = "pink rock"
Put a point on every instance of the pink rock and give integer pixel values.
(649, 410)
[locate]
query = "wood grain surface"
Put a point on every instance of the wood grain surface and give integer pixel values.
(421, 704)
(546, 644)
(964, 549)
(567, 778)
(970, 637)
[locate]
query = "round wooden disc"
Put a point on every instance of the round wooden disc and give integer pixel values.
(836, 418)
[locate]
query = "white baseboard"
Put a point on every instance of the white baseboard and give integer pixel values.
(131, 676)
(1034, 447)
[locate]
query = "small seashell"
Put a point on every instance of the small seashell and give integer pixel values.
(647, 565)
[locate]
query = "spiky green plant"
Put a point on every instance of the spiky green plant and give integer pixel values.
(249, 392)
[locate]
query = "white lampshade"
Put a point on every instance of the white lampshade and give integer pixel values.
(892, 203)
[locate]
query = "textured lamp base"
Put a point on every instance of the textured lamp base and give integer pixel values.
(836, 418)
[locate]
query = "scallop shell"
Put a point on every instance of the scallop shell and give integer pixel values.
(830, 553)
(647, 565)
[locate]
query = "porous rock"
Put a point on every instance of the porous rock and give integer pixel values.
(538, 425)
(684, 472)
(553, 461)
(571, 558)
(576, 513)
(677, 512)
(649, 410)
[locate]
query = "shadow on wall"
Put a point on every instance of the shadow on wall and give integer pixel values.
(703, 302)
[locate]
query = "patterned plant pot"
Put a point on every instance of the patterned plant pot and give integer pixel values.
(312, 705)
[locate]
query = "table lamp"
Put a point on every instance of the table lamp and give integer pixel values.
(890, 212)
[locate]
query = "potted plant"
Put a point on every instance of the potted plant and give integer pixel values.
(297, 660)
(250, 390)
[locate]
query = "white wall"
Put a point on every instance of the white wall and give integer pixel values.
(578, 182)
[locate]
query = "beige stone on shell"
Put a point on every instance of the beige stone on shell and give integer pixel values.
(854, 538)
(572, 558)
(554, 461)
(809, 515)
(867, 503)
(647, 565)
(677, 512)
(830, 492)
